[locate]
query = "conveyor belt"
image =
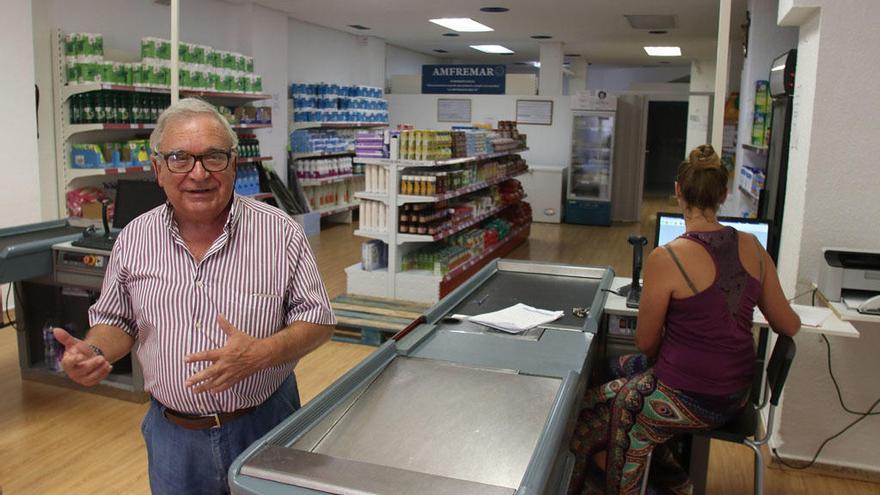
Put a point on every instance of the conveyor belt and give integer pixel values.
(26, 250)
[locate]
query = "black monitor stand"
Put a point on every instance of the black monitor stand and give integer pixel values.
(633, 291)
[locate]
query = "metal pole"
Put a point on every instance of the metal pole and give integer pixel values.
(175, 59)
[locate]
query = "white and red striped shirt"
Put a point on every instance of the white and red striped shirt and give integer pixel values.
(260, 274)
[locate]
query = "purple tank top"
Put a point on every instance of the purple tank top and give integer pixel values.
(708, 345)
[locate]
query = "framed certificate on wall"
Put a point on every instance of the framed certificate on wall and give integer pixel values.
(537, 112)
(453, 110)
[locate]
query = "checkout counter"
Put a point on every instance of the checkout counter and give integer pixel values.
(448, 406)
(55, 283)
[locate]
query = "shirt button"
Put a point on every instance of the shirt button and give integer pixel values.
(199, 284)
(198, 324)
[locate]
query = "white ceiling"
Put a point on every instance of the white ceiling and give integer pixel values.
(593, 29)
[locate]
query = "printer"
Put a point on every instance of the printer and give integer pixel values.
(851, 277)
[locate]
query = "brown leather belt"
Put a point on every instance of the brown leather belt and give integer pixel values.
(216, 420)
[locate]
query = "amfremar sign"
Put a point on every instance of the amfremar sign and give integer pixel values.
(463, 79)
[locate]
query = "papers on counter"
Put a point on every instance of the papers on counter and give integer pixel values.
(811, 316)
(517, 318)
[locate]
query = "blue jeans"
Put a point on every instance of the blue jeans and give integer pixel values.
(191, 462)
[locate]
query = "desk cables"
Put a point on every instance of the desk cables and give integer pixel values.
(862, 415)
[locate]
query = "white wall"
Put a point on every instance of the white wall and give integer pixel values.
(319, 54)
(831, 200)
(268, 27)
(699, 103)
(18, 131)
(618, 79)
(767, 41)
(400, 61)
(548, 145)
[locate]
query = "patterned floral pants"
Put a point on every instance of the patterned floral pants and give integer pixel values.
(629, 417)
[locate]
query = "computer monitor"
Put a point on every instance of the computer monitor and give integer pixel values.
(671, 225)
(133, 198)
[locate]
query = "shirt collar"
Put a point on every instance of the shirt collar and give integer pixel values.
(235, 212)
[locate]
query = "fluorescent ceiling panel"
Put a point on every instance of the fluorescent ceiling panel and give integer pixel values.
(462, 24)
(491, 48)
(663, 51)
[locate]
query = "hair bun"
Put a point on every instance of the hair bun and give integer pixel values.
(704, 156)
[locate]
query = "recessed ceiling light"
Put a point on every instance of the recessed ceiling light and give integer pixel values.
(663, 51)
(440, 50)
(462, 24)
(494, 10)
(492, 49)
(451, 35)
(658, 31)
(651, 21)
(541, 37)
(359, 27)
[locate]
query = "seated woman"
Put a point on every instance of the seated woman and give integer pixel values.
(695, 334)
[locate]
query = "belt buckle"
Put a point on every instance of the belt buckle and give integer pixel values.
(216, 418)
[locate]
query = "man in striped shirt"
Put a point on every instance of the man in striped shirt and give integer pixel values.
(222, 296)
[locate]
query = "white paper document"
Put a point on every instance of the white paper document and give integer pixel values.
(811, 316)
(517, 318)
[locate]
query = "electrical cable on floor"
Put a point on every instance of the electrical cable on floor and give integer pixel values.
(837, 387)
(822, 446)
(613, 292)
(9, 321)
(862, 415)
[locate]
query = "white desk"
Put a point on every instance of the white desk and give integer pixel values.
(833, 325)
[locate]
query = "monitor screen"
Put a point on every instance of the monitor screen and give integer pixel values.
(671, 225)
(133, 198)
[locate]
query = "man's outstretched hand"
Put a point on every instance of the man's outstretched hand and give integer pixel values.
(230, 364)
(80, 363)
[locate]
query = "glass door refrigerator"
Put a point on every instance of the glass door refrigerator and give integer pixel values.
(591, 169)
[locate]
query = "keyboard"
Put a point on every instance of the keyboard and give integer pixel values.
(99, 242)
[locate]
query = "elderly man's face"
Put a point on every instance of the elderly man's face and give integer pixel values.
(198, 195)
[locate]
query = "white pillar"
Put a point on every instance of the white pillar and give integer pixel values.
(578, 81)
(550, 74)
(721, 63)
(175, 55)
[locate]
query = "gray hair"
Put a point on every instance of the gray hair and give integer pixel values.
(188, 107)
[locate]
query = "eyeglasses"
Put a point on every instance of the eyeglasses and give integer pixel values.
(182, 162)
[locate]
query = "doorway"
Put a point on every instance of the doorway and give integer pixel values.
(665, 146)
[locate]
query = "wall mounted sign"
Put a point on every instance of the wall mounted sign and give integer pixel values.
(463, 79)
(538, 112)
(453, 110)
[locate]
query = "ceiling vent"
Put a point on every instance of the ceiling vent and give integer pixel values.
(162, 2)
(651, 21)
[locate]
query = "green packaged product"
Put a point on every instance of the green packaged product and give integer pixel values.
(73, 74)
(70, 45)
(97, 41)
(197, 54)
(100, 109)
(243, 84)
(123, 108)
(249, 64)
(257, 84)
(80, 43)
(163, 49)
(107, 74)
(148, 48)
(229, 60)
